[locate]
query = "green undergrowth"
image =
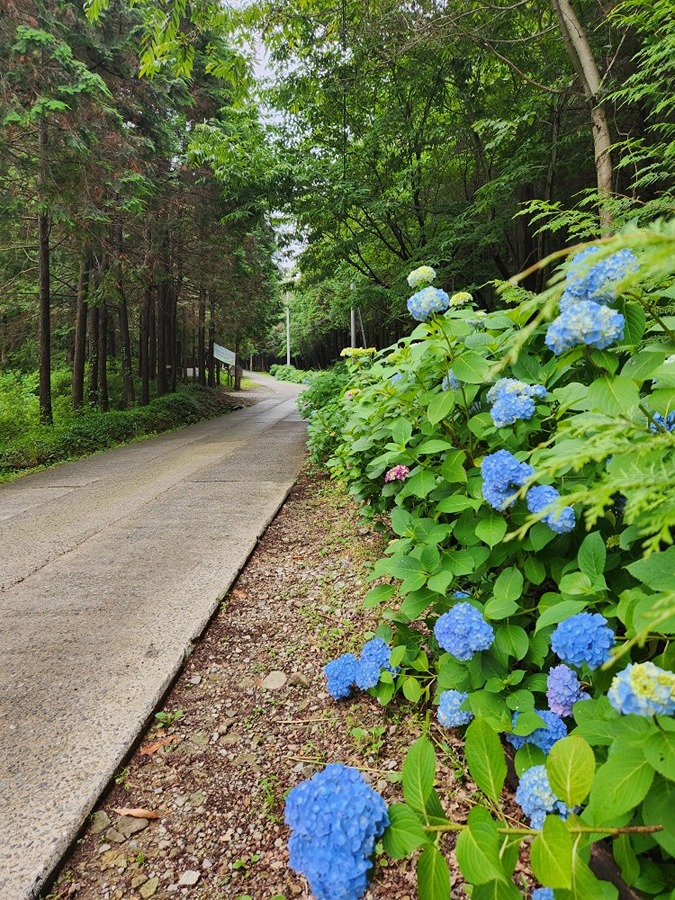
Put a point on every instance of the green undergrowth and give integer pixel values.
(37, 446)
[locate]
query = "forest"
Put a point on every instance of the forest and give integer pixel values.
(142, 218)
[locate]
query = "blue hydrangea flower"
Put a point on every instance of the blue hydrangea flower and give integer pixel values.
(427, 301)
(502, 476)
(542, 495)
(335, 820)
(461, 595)
(449, 713)
(463, 631)
(341, 675)
(584, 638)
(662, 423)
(543, 894)
(396, 377)
(536, 799)
(450, 382)
(563, 690)
(596, 282)
(544, 738)
(422, 275)
(643, 689)
(374, 657)
(513, 400)
(587, 323)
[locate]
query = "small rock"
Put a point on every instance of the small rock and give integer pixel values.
(99, 822)
(129, 825)
(196, 679)
(112, 834)
(207, 863)
(189, 878)
(274, 681)
(103, 848)
(138, 880)
(149, 888)
(197, 799)
(297, 679)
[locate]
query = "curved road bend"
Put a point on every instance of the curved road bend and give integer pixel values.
(109, 568)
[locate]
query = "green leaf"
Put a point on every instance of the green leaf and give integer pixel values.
(528, 722)
(411, 689)
(592, 555)
(440, 406)
(471, 367)
(405, 833)
(509, 585)
(658, 810)
(492, 708)
(454, 504)
(662, 401)
(636, 320)
(496, 890)
(379, 594)
(570, 767)
(491, 529)
(500, 609)
(614, 396)
(420, 484)
(558, 612)
(656, 571)
(586, 886)
(401, 432)
(659, 750)
(551, 854)
(477, 849)
(535, 571)
(433, 446)
(419, 770)
(433, 876)
(527, 756)
(512, 640)
(643, 364)
(620, 784)
(485, 757)
(453, 470)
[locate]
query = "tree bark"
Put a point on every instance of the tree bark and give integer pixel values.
(103, 400)
(212, 339)
(44, 288)
(201, 337)
(93, 355)
(144, 345)
(80, 348)
(581, 55)
(129, 397)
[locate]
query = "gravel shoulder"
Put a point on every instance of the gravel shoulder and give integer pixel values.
(248, 718)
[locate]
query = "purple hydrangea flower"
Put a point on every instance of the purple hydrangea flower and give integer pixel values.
(644, 690)
(563, 690)
(335, 820)
(584, 638)
(374, 657)
(463, 631)
(449, 713)
(341, 675)
(512, 400)
(545, 737)
(542, 495)
(398, 473)
(427, 301)
(502, 476)
(536, 799)
(587, 323)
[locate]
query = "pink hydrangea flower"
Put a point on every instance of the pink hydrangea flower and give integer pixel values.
(398, 473)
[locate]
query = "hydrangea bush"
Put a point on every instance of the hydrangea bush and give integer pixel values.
(529, 589)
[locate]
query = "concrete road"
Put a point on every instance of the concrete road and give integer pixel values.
(110, 568)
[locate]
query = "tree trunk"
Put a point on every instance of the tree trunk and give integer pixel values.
(129, 397)
(94, 318)
(44, 290)
(579, 51)
(104, 402)
(161, 336)
(144, 346)
(81, 332)
(201, 336)
(212, 339)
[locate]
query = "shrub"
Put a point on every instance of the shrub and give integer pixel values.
(535, 464)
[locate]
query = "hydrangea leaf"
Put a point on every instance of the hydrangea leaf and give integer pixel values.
(592, 555)
(497, 609)
(512, 641)
(405, 833)
(485, 758)
(659, 750)
(658, 810)
(440, 406)
(411, 689)
(559, 612)
(626, 858)
(496, 890)
(454, 504)
(527, 756)
(643, 364)
(636, 321)
(434, 445)
(509, 585)
(379, 594)
(585, 884)
(433, 875)
(620, 783)
(477, 849)
(453, 469)
(491, 529)
(551, 854)
(656, 571)
(419, 770)
(471, 367)
(570, 767)
(614, 396)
